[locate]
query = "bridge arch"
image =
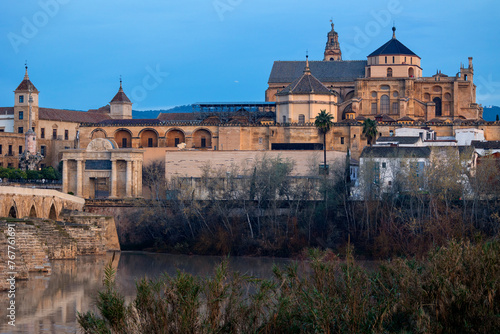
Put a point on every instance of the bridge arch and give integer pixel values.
(13, 210)
(32, 213)
(53, 212)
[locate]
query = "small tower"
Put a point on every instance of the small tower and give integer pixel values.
(121, 107)
(467, 74)
(30, 158)
(23, 107)
(332, 49)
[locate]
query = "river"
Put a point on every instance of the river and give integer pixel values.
(48, 303)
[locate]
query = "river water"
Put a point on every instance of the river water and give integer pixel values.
(48, 303)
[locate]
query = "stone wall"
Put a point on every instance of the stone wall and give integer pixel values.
(37, 241)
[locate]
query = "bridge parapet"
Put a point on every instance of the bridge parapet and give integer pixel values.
(20, 202)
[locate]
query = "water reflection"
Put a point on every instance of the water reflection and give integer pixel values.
(48, 304)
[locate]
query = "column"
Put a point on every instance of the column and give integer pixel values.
(79, 177)
(129, 179)
(139, 178)
(65, 176)
(135, 167)
(113, 178)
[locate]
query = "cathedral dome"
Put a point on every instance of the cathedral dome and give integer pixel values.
(392, 47)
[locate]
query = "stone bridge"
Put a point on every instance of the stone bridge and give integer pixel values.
(18, 202)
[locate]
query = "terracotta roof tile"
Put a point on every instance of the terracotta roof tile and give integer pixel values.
(70, 115)
(305, 84)
(120, 96)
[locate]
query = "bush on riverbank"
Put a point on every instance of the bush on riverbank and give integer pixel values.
(454, 289)
(262, 210)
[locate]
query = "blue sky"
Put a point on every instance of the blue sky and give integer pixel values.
(179, 52)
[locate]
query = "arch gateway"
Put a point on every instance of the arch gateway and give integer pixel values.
(103, 170)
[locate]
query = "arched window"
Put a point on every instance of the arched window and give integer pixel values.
(411, 73)
(465, 77)
(302, 119)
(384, 104)
(437, 101)
(389, 72)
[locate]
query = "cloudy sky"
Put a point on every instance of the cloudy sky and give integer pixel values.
(179, 52)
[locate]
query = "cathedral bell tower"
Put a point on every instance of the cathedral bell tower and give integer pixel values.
(332, 49)
(25, 105)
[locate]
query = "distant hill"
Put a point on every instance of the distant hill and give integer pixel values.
(148, 114)
(490, 113)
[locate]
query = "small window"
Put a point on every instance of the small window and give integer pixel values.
(21, 98)
(393, 59)
(302, 119)
(42, 133)
(354, 136)
(66, 134)
(389, 183)
(260, 140)
(9, 165)
(389, 72)
(395, 94)
(2, 129)
(124, 142)
(42, 150)
(21, 114)
(20, 129)
(374, 94)
(391, 133)
(342, 140)
(150, 142)
(54, 133)
(386, 60)
(0, 149)
(10, 149)
(374, 108)
(284, 118)
(20, 149)
(384, 165)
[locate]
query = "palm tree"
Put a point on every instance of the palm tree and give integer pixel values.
(370, 130)
(324, 121)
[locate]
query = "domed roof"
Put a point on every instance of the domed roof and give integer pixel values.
(26, 84)
(392, 47)
(120, 96)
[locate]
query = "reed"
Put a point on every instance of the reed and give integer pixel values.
(454, 289)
